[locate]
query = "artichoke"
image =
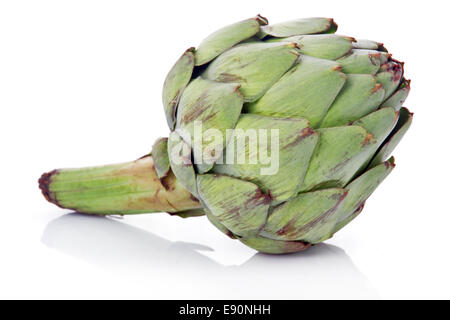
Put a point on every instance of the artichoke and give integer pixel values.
(329, 105)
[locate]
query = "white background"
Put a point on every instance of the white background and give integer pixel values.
(80, 85)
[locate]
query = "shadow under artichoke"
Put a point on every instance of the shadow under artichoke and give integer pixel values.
(324, 271)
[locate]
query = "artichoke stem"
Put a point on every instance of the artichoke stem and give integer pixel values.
(127, 188)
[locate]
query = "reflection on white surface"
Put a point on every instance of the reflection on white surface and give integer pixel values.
(175, 268)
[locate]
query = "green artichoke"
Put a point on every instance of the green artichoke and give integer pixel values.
(332, 106)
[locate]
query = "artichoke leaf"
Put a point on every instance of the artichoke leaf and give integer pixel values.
(216, 222)
(402, 126)
(180, 156)
(360, 61)
(255, 66)
(360, 190)
(351, 205)
(340, 152)
(299, 27)
(379, 124)
(288, 156)
(323, 46)
(360, 95)
(213, 107)
(397, 99)
(177, 79)
(225, 38)
(295, 218)
(263, 244)
(305, 91)
(239, 205)
(369, 44)
(390, 75)
(161, 157)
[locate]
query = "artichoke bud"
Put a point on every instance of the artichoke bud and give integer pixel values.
(336, 105)
(278, 133)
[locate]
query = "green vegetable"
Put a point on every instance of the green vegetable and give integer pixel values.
(334, 102)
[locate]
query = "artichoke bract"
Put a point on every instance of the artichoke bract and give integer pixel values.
(308, 120)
